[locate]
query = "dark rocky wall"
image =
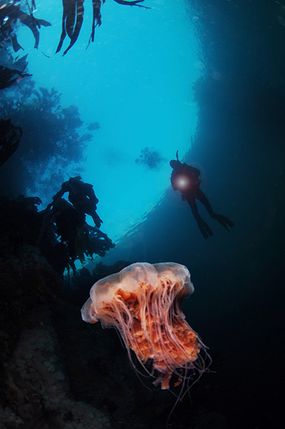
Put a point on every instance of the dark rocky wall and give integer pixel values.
(35, 389)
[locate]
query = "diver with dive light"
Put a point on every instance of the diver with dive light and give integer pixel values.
(186, 179)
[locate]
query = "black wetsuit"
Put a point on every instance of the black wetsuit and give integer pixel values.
(186, 180)
(83, 198)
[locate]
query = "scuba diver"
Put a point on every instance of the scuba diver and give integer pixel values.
(82, 196)
(186, 180)
(75, 239)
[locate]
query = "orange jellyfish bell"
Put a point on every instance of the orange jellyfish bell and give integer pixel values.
(143, 303)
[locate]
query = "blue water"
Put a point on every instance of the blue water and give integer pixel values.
(136, 82)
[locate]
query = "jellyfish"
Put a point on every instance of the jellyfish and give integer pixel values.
(143, 303)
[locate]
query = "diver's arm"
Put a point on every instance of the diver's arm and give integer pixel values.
(92, 196)
(60, 193)
(173, 182)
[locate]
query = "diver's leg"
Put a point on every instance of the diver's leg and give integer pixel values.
(204, 228)
(204, 200)
(223, 220)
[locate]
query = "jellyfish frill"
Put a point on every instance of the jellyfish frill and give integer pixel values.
(143, 303)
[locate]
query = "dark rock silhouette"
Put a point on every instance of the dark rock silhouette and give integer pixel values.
(10, 137)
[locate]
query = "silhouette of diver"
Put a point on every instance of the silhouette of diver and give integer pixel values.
(186, 180)
(82, 196)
